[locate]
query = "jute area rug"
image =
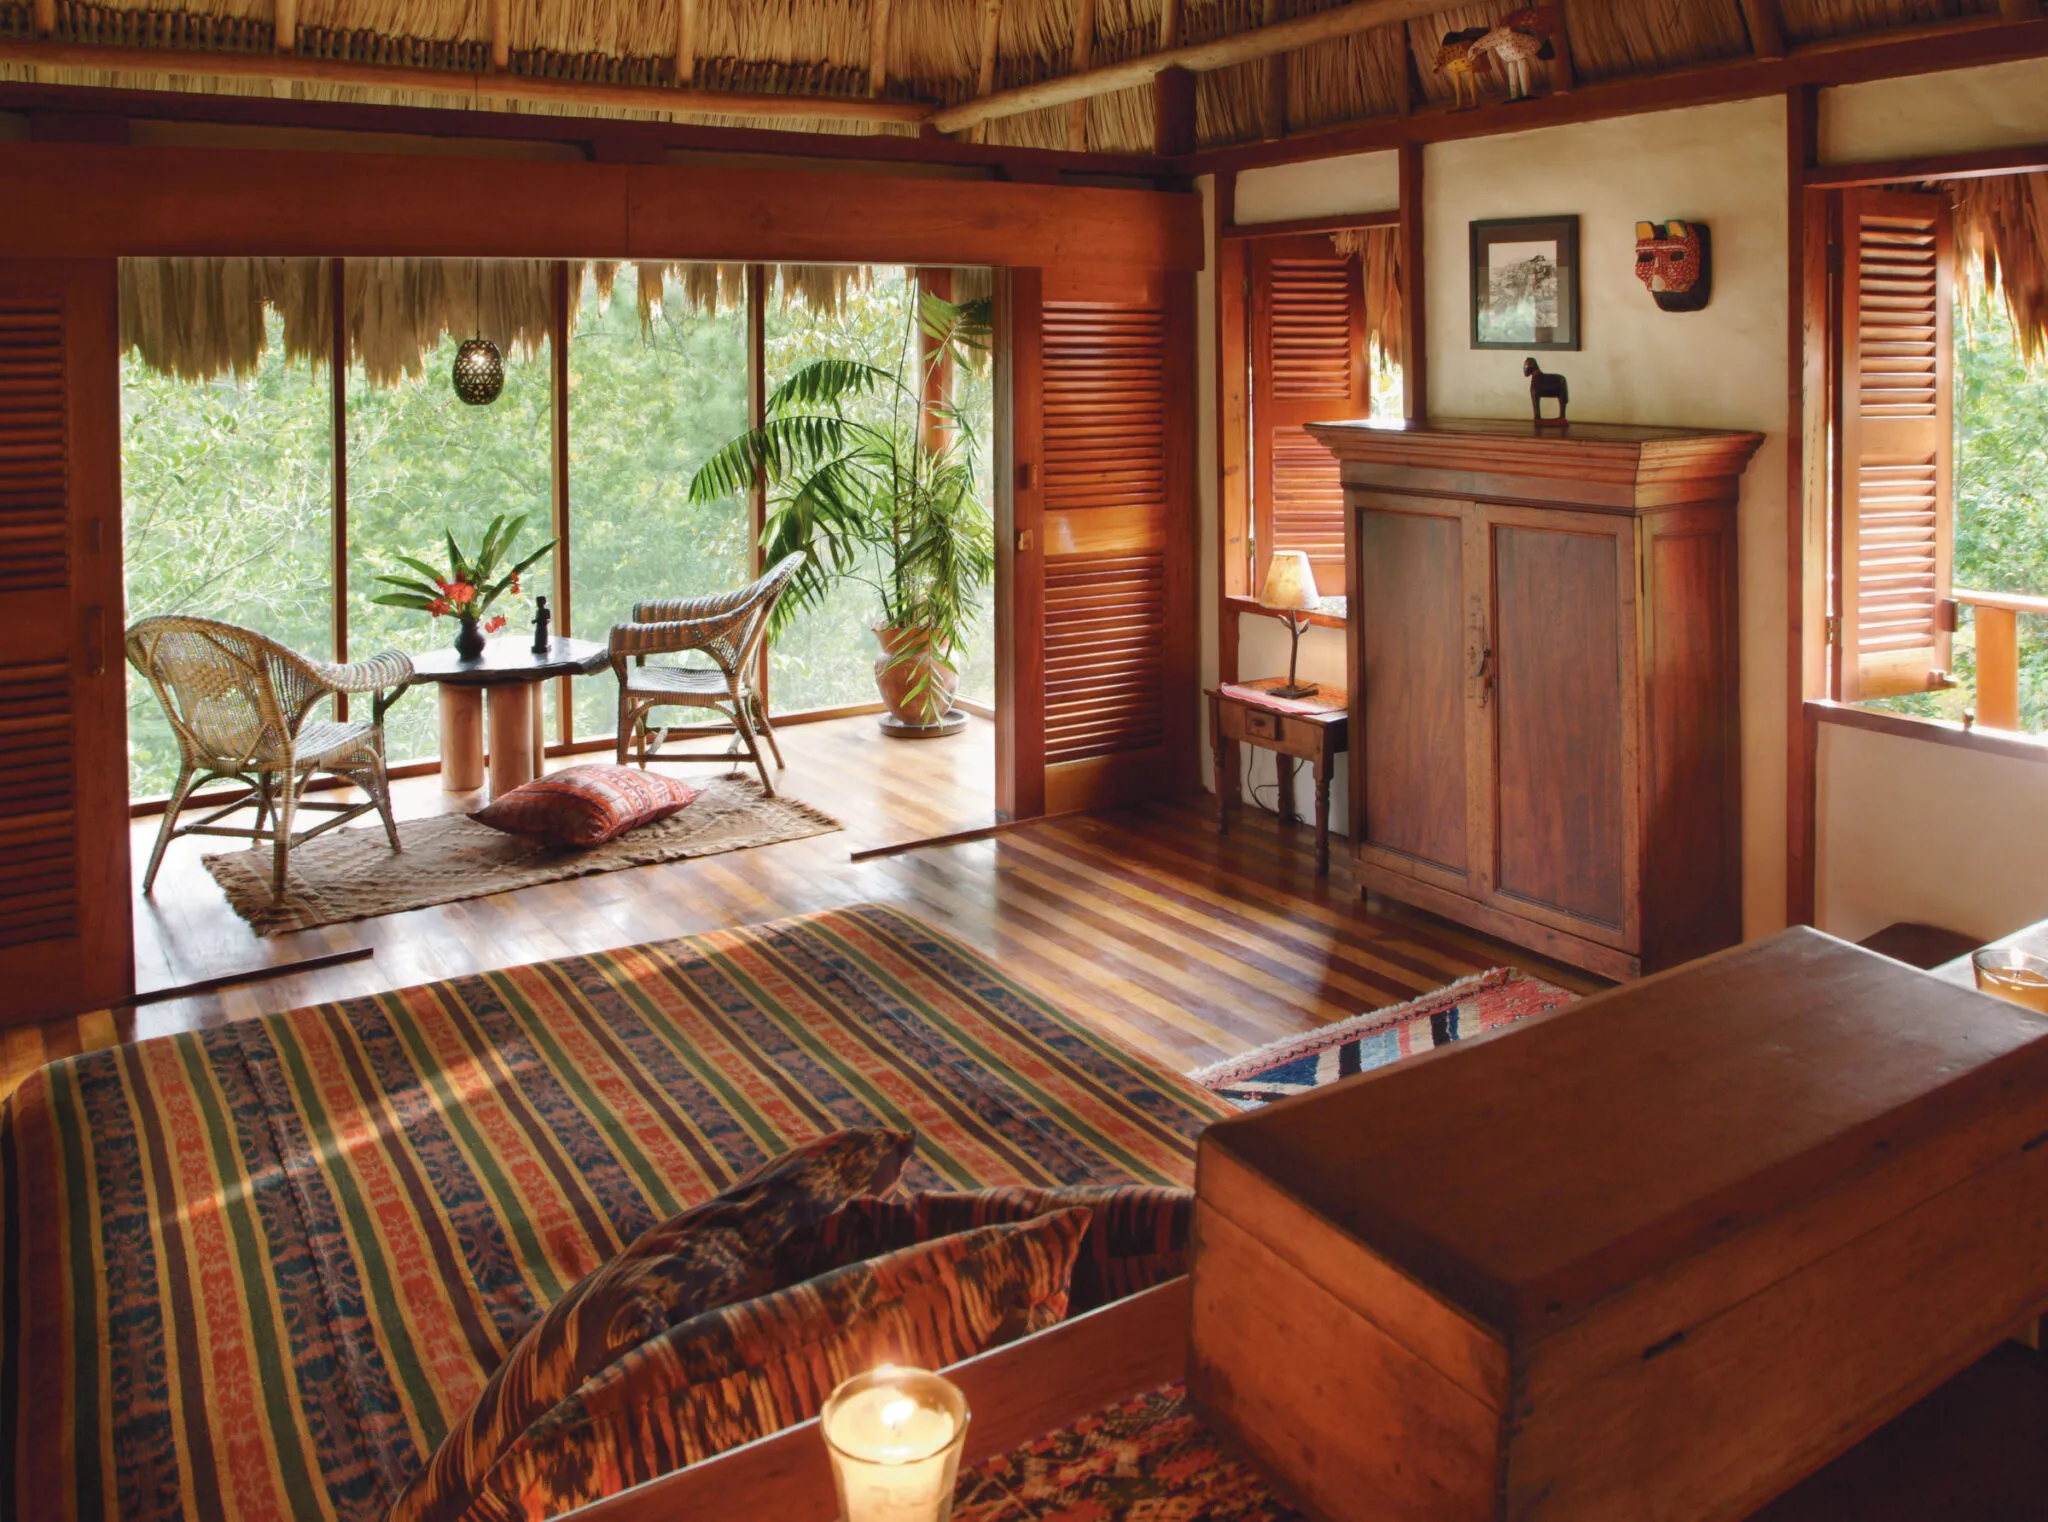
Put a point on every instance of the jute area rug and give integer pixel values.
(353, 874)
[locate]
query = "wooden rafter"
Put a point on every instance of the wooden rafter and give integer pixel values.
(1169, 23)
(573, 92)
(284, 21)
(44, 17)
(1201, 58)
(501, 35)
(686, 42)
(1084, 55)
(879, 15)
(1766, 28)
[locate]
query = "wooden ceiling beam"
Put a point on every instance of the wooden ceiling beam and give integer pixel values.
(880, 13)
(284, 22)
(1766, 28)
(460, 82)
(1200, 57)
(501, 35)
(1083, 56)
(686, 42)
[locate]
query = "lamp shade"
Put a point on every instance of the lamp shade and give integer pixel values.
(1290, 583)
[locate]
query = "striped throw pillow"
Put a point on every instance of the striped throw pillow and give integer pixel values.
(732, 1248)
(742, 1372)
(584, 806)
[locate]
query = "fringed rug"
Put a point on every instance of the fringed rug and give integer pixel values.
(256, 1271)
(353, 874)
(1295, 1064)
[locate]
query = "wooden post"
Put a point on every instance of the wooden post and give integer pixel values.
(686, 42)
(558, 418)
(1273, 98)
(1998, 667)
(1173, 112)
(337, 518)
(878, 45)
(757, 414)
(1083, 57)
(1806, 501)
(1414, 308)
(937, 381)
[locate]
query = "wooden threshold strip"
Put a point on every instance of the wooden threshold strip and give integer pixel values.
(249, 975)
(961, 837)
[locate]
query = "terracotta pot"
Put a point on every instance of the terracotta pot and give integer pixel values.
(900, 673)
(469, 640)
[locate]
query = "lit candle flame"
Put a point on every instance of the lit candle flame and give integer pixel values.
(897, 1412)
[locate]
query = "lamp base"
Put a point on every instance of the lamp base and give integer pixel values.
(1294, 690)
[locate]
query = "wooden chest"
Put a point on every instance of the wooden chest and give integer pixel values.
(1657, 1255)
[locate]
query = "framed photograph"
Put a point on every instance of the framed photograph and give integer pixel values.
(1525, 283)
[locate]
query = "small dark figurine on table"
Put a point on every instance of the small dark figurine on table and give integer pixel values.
(541, 618)
(1544, 385)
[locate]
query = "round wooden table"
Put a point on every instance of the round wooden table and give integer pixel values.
(510, 672)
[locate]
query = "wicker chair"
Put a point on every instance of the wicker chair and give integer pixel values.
(238, 703)
(729, 628)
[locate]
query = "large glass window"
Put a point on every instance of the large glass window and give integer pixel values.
(423, 464)
(227, 491)
(646, 407)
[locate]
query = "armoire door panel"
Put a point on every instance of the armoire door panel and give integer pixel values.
(1560, 788)
(1411, 604)
(65, 932)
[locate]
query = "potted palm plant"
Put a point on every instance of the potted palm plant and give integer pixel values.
(871, 482)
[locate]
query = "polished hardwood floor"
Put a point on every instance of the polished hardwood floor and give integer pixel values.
(1183, 943)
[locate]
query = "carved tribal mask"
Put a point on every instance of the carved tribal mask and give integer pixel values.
(1672, 262)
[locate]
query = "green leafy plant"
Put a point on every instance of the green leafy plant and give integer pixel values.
(870, 482)
(473, 582)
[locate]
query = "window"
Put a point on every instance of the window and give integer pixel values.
(1320, 342)
(227, 512)
(1939, 533)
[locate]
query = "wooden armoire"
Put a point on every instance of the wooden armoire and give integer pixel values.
(1545, 743)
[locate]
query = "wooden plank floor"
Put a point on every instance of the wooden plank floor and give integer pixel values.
(1183, 943)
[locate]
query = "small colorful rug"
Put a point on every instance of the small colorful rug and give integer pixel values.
(1295, 1064)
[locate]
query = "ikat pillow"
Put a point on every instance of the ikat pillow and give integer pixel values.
(584, 806)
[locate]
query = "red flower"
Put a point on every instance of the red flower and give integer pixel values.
(495, 624)
(462, 594)
(515, 583)
(444, 586)
(438, 607)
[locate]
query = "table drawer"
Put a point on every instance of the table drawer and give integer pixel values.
(1274, 731)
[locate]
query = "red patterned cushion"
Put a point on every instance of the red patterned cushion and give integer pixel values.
(728, 1249)
(1138, 1236)
(742, 1372)
(586, 805)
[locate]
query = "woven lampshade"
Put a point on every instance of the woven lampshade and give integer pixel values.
(479, 372)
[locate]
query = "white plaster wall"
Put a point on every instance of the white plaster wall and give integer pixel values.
(1910, 830)
(2004, 105)
(1320, 188)
(1723, 367)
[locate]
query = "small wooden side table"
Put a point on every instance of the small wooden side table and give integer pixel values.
(1314, 729)
(510, 673)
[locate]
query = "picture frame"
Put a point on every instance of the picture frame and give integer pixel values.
(1525, 283)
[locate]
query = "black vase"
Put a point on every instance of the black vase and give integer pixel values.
(469, 640)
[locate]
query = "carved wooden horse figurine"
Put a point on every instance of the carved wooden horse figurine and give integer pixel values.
(1541, 385)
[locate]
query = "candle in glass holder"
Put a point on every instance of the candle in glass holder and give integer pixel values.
(895, 1436)
(2013, 975)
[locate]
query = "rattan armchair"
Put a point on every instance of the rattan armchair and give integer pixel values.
(729, 628)
(239, 703)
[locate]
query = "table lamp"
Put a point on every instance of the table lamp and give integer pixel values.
(1291, 589)
(895, 1437)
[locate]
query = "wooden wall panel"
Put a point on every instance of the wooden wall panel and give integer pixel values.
(65, 934)
(78, 200)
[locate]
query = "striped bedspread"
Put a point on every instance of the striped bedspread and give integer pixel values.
(256, 1271)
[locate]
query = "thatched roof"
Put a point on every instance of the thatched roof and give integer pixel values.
(930, 51)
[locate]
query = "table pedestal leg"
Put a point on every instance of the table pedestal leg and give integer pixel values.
(511, 705)
(540, 727)
(462, 738)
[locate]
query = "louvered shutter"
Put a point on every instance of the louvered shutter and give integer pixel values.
(1309, 365)
(1113, 429)
(1895, 515)
(64, 920)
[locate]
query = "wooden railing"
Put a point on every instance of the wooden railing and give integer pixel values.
(1998, 653)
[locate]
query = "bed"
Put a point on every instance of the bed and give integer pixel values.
(257, 1271)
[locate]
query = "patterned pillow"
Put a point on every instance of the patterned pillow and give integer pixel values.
(742, 1372)
(1138, 1237)
(584, 806)
(723, 1251)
